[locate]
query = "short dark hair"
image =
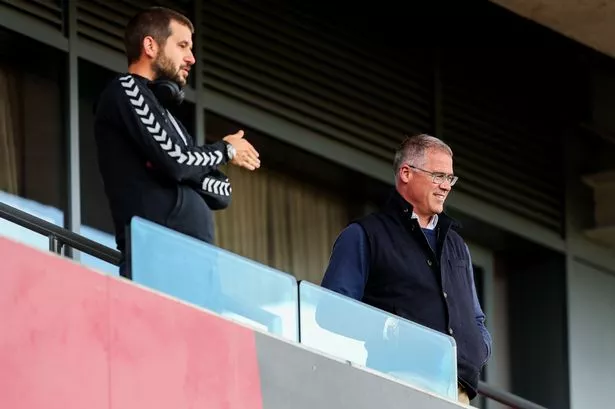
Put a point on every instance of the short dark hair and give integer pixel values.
(155, 22)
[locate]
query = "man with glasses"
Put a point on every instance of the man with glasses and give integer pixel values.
(406, 259)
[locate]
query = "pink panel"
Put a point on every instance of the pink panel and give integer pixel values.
(73, 338)
(165, 354)
(53, 332)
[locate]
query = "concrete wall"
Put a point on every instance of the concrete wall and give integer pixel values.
(591, 326)
(538, 329)
(592, 335)
(590, 283)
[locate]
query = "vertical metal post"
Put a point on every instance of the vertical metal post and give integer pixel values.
(299, 311)
(55, 245)
(199, 39)
(73, 221)
(437, 95)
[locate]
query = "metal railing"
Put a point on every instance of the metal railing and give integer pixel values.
(60, 237)
(506, 398)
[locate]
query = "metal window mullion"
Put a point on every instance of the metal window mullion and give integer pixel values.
(73, 219)
(199, 106)
(437, 96)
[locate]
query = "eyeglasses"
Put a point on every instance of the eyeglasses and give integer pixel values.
(439, 177)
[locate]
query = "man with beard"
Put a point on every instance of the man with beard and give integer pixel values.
(150, 165)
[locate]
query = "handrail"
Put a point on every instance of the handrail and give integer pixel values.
(506, 398)
(58, 235)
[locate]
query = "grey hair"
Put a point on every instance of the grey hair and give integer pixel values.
(413, 148)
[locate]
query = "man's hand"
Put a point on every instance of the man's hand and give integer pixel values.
(246, 156)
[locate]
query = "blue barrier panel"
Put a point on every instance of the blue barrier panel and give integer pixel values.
(213, 278)
(348, 329)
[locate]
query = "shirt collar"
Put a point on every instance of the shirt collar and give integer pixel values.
(396, 204)
(433, 222)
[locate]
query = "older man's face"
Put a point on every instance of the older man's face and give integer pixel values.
(428, 197)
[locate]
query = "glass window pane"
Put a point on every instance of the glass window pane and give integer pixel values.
(33, 172)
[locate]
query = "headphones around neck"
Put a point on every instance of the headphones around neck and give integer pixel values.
(168, 92)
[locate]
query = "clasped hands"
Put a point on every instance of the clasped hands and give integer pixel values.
(245, 154)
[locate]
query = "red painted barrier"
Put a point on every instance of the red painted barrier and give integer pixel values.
(74, 338)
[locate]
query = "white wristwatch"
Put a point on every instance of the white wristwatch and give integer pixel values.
(230, 151)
